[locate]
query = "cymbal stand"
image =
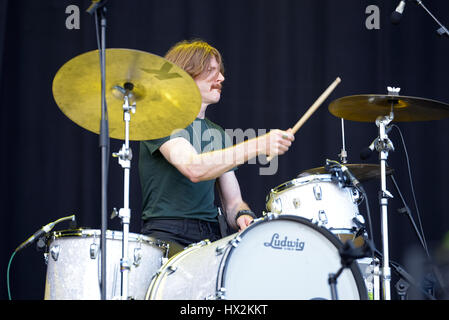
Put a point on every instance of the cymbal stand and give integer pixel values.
(383, 146)
(124, 158)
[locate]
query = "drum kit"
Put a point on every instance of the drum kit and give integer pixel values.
(310, 244)
(289, 253)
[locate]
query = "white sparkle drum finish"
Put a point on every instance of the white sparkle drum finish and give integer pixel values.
(74, 264)
(319, 199)
(280, 257)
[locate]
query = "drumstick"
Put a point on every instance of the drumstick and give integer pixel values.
(313, 108)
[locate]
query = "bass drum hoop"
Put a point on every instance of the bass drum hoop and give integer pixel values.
(355, 270)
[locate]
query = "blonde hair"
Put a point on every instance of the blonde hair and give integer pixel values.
(194, 56)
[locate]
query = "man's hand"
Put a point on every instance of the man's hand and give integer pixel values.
(244, 221)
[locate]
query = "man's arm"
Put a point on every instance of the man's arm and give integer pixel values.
(210, 165)
(231, 198)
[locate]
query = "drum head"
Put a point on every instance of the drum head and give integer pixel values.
(287, 258)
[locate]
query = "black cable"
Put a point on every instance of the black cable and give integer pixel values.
(370, 225)
(412, 188)
(420, 233)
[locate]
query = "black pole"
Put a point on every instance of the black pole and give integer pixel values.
(98, 7)
(104, 145)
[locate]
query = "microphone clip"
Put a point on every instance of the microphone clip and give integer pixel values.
(337, 173)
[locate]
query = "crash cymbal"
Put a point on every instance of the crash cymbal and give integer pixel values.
(366, 108)
(363, 172)
(166, 96)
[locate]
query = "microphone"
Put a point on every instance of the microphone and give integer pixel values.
(330, 167)
(350, 176)
(96, 4)
(397, 14)
(368, 151)
(39, 233)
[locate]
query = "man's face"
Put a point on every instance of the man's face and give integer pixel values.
(209, 83)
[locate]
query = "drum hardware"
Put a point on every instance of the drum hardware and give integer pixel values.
(322, 218)
(137, 256)
(343, 154)
(402, 287)
(54, 252)
(172, 269)
(348, 254)
(406, 280)
(317, 192)
(384, 145)
(383, 109)
(93, 250)
(124, 158)
(371, 274)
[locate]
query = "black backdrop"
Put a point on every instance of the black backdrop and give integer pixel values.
(279, 56)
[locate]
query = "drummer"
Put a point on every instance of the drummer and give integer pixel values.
(178, 173)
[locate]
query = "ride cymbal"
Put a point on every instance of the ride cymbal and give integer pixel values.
(366, 108)
(167, 98)
(363, 172)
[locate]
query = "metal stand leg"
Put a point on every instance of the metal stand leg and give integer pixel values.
(125, 156)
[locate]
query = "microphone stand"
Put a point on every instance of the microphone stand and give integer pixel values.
(348, 253)
(442, 30)
(98, 8)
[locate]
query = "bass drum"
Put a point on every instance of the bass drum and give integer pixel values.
(74, 265)
(277, 257)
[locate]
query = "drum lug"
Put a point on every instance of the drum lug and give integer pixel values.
(322, 218)
(137, 256)
(172, 269)
(277, 205)
(219, 250)
(296, 203)
(356, 196)
(93, 250)
(54, 252)
(317, 192)
(164, 260)
(359, 220)
(221, 294)
(235, 242)
(271, 216)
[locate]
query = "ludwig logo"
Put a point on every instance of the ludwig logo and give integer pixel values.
(285, 244)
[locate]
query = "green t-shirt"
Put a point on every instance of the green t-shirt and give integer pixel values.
(166, 192)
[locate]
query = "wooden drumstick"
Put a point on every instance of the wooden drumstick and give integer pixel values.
(313, 108)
